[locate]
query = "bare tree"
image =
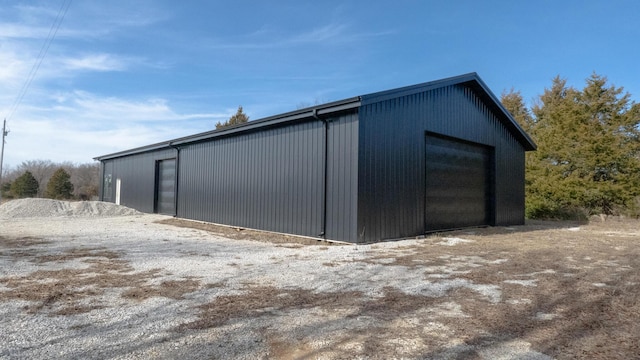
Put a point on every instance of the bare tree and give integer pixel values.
(84, 177)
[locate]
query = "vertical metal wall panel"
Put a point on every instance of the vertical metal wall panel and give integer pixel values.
(342, 178)
(270, 179)
(510, 163)
(391, 164)
(137, 174)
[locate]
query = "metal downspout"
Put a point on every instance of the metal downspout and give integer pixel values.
(323, 232)
(176, 187)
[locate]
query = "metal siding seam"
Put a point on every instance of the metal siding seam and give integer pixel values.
(355, 149)
(264, 179)
(345, 205)
(282, 201)
(344, 218)
(292, 182)
(299, 212)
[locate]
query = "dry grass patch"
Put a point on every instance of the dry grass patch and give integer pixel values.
(21, 242)
(571, 290)
(173, 289)
(259, 300)
(65, 291)
(334, 324)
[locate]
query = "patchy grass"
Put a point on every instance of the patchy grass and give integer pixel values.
(66, 291)
(566, 290)
(173, 289)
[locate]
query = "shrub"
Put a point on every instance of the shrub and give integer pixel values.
(60, 186)
(25, 185)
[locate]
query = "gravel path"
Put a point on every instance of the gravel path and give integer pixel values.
(77, 282)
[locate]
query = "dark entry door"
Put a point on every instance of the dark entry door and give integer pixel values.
(459, 184)
(166, 187)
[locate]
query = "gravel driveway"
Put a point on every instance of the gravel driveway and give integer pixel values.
(133, 287)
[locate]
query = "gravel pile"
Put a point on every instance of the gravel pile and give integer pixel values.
(32, 208)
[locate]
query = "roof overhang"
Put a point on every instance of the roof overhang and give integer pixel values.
(319, 111)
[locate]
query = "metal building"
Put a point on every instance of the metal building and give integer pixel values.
(394, 164)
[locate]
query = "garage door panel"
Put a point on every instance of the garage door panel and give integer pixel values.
(458, 184)
(165, 191)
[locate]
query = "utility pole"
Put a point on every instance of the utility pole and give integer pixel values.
(4, 133)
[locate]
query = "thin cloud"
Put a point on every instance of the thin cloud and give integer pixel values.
(96, 62)
(106, 18)
(12, 68)
(92, 107)
(18, 31)
(327, 34)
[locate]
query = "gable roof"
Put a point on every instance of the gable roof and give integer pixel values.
(471, 80)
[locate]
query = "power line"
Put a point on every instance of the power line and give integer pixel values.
(62, 12)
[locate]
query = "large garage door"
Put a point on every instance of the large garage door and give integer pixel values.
(166, 187)
(459, 184)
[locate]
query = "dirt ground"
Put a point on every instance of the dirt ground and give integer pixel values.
(539, 291)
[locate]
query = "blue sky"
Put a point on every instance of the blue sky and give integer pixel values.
(122, 74)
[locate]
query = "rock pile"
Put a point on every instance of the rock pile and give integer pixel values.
(29, 208)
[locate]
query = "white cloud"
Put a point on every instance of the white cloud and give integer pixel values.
(96, 62)
(13, 67)
(78, 126)
(117, 110)
(57, 121)
(18, 31)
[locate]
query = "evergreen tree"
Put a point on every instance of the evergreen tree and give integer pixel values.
(5, 188)
(514, 103)
(25, 185)
(59, 186)
(238, 118)
(588, 158)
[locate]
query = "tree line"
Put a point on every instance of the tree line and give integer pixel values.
(588, 157)
(44, 178)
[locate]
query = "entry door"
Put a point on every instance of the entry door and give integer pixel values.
(166, 187)
(459, 184)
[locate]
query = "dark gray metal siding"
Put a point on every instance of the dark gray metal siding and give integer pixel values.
(271, 179)
(510, 164)
(137, 174)
(342, 189)
(391, 163)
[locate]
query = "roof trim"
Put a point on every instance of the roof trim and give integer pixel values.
(471, 79)
(292, 116)
(475, 82)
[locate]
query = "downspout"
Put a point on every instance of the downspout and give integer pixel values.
(323, 232)
(176, 187)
